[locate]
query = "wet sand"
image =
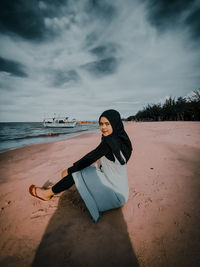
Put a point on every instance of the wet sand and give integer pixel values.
(158, 226)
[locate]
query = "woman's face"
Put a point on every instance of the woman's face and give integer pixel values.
(105, 126)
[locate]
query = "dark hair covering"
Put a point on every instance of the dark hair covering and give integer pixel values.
(118, 140)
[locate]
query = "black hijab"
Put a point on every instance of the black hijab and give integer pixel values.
(118, 140)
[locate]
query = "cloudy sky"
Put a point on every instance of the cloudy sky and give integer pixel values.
(80, 57)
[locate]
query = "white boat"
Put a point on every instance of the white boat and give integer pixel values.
(59, 122)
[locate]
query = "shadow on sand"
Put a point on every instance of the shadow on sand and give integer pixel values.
(73, 239)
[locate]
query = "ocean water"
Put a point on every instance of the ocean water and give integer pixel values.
(18, 134)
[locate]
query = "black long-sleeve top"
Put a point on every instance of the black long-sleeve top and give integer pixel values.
(101, 150)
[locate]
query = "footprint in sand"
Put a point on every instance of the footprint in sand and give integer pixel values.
(6, 205)
(38, 213)
(43, 212)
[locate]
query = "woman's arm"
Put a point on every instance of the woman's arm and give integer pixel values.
(101, 150)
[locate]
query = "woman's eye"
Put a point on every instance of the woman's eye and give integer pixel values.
(106, 123)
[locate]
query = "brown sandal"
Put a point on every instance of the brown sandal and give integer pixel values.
(32, 191)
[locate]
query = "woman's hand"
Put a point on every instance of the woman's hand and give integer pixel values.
(64, 173)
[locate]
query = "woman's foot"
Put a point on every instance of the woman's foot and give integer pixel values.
(43, 194)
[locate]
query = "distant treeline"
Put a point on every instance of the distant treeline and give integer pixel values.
(182, 109)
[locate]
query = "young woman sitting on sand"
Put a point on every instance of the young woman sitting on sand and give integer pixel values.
(101, 188)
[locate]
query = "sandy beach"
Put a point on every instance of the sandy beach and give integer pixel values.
(158, 226)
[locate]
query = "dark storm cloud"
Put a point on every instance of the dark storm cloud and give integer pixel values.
(102, 67)
(194, 21)
(22, 18)
(12, 67)
(62, 78)
(102, 13)
(167, 14)
(104, 51)
(101, 9)
(26, 18)
(91, 38)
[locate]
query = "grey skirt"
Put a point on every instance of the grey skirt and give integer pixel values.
(97, 192)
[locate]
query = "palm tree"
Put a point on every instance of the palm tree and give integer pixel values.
(180, 108)
(194, 105)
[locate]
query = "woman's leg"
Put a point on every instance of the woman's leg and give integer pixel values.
(64, 184)
(47, 194)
